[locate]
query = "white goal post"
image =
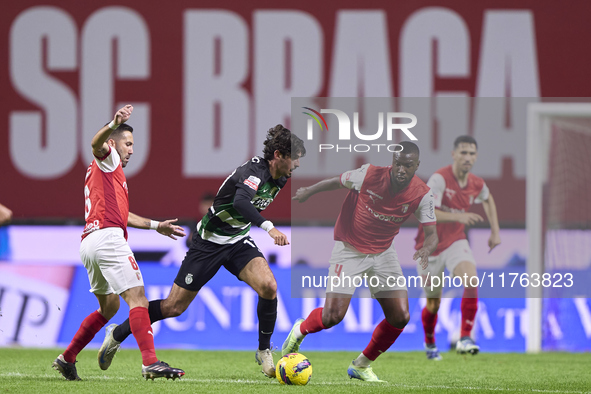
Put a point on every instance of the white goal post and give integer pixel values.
(538, 144)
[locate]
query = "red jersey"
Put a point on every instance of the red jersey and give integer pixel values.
(371, 215)
(450, 197)
(106, 200)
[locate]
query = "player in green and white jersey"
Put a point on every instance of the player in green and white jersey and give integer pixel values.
(239, 201)
(222, 239)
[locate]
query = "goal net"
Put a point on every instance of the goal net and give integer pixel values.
(558, 216)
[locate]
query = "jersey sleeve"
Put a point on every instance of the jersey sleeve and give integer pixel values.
(245, 208)
(483, 196)
(354, 179)
(253, 176)
(437, 185)
(109, 162)
(246, 187)
(425, 213)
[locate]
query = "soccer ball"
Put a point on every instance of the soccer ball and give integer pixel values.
(294, 368)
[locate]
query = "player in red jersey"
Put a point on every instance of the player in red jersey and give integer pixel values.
(455, 189)
(112, 269)
(380, 199)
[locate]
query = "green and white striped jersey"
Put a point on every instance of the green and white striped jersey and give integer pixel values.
(223, 224)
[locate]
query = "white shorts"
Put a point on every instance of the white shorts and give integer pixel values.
(450, 258)
(109, 261)
(350, 269)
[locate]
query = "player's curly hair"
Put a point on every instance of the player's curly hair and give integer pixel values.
(281, 139)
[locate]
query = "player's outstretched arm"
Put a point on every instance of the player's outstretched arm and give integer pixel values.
(5, 215)
(278, 237)
(468, 218)
(490, 209)
(166, 227)
(303, 193)
(99, 141)
(429, 246)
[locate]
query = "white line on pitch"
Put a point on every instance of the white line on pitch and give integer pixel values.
(314, 383)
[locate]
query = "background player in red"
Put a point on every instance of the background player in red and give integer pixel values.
(112, 269)
(379, 201)
(455, 189)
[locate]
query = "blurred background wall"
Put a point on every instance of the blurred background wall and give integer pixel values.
(207, 80)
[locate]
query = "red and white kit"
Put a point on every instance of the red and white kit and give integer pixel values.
(453, 246)
(369, 220)
(104, 250)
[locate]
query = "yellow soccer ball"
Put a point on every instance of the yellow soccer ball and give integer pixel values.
(295, 369)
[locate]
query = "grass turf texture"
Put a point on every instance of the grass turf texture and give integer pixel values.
(29, 370)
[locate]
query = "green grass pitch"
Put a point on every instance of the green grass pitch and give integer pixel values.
(29, 371)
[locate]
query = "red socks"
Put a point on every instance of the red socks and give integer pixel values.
(139, 321)
(469, 307)
(313, 322)
(382, 338)
(88, 329)
(429, 323)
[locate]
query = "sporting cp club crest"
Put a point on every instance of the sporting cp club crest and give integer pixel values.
(189, 279)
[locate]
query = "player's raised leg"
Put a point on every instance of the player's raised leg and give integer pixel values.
(469, 307)
(65, 363)
(395, 307)
(198, 267)
(141, 329)
(345, 262)
(115, 334)
(108, 349)
(319, 319)
(294, 339)
(174, 305)
(259, 276)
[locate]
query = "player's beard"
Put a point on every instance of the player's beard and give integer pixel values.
(400, 185)
(466, 168)
(124, 159)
